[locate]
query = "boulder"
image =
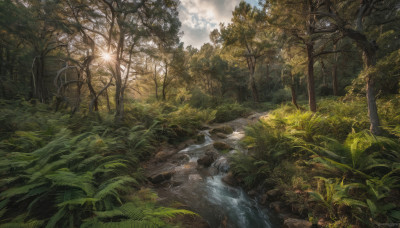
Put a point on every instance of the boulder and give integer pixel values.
(206, 160)
(229, 179)
(225, 129)
(221, 135)
(221, 146)
(195, 177)
(296, 223)
(161, 156)
(160, 177)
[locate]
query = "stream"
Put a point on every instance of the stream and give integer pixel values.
(202, 190)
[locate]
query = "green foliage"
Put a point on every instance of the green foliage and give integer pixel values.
(326, 164)
(230, 111)
(57, 174)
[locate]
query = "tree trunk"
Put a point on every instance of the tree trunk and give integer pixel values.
(293, 91)
(334, 74)
(155, 80)
(369, 58)
(108, 100)
(164, 86)
(310, 78)
(90, 86)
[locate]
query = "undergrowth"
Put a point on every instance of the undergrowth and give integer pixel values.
(59, 170)
(326, 165)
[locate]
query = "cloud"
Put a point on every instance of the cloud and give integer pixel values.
(200, 17)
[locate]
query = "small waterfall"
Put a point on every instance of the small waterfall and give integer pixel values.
(222, 205)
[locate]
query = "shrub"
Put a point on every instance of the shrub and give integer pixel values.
(228, 112)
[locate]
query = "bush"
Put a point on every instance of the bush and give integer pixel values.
(228, 112)
(281, 95)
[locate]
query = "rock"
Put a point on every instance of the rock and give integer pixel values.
(221, 146)
(222, 164)
(229, 179)
(195, 177)
(296, 223)
(200, 138)
(221, 135)
(160, 177)
(206, 160)
(161, 156)
(285, 215)
(225, 129)
(277, 206)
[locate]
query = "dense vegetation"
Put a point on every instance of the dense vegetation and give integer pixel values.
(90, 89)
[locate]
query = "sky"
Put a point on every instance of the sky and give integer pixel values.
(200, 17)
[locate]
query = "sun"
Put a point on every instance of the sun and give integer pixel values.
(106, 56)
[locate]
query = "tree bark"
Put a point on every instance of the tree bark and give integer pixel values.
(293, 91)
(164, 86)
(310, 78)
(155, 81)
(369, 59)
(335, 84)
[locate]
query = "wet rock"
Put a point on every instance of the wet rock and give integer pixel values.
(221, 135)
(200, 138)
(160, 177)
(221, 146)
(296, 223)
(229, 179)
(195, 177)
(209, 157)
(222, 164)
(277, 206)
(225, 129)
(206, 160)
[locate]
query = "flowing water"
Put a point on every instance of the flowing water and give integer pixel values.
(204, 192)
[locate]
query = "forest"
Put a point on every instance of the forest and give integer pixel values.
(288, 117)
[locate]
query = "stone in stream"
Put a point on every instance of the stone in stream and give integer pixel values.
(195, 177)
(229, 179)
(296, 223)
(160, 177)
(208, 158)
(221, 146)
(221, 135)
(225, 129)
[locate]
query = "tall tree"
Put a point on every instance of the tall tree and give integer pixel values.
(244, 36)
(357, 20)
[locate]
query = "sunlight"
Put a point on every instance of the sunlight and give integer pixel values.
(106, 56)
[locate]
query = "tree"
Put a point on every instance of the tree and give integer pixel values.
(245, 37)
(357, 21)
(302, 26)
